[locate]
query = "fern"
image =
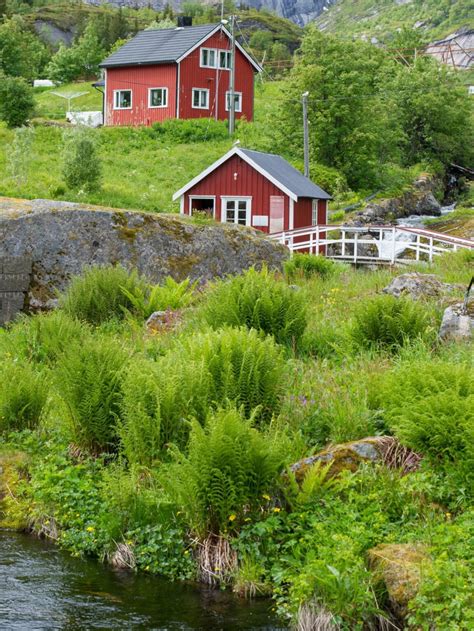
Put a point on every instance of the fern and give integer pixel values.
(170, 295)
(23, 396)
(258, 300)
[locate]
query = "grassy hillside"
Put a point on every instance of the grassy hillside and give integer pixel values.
(382, 18)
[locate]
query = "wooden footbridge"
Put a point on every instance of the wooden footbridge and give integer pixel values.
(371, 244)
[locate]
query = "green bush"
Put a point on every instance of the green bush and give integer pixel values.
(258, 300)
(160, 397)
(98, 295)
(16, 101)
(43, 337)
(23, 396)
(89, 378)
(386, 322)
(188, 131)
(429, 405)
(307, 265)
(229, 466)
(82, 168)
(170, 295)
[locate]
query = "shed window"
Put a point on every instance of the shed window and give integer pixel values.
(225, 59)
(157, 97)
(237, 101)
(200, 99)
(208, 58)
(122, 99)
(315, 212)
(236, 210)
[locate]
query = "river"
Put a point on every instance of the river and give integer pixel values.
(43, 588)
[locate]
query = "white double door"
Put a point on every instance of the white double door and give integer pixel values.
(237, 210)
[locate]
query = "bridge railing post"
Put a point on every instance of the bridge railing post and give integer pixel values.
(430, 249)
(418, 242)
(356, 238)
(343, 243)
(317, 240)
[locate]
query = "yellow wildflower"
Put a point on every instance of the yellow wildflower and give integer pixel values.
(232, 517)
(276, 509)
(266, 497)
(90, 529)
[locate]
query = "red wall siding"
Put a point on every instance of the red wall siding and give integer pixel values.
(303, 212)
(139, 79)
(216, 81)
(248, 183)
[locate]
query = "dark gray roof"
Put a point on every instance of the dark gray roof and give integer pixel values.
(281, 170)
(158, 46)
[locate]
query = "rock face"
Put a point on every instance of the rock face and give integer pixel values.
(418, 286)
(63, 238)
(400, 567)
(420, 200)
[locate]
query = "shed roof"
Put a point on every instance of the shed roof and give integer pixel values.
(271, 166)
(157, 46)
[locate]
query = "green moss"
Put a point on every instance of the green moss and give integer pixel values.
(13, 470)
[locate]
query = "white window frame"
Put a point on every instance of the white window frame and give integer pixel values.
(228, 54)
(191, 197)
(238, 106)
(115, 99)
(165, 92)
(208, 51)
(236, 199)
(314, 212)
(200, 107)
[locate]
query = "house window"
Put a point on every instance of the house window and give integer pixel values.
(122, 99)
(208, 58)
(200, 99)
(157, 97)
(237, 101)
(236, 210)
(315, 213)
(225, 59)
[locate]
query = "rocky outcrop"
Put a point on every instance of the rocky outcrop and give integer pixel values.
(400, 567)
(63, 238)
(419, 200)
(420, 286)
(457, 323)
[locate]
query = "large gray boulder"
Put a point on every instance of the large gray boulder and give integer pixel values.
(63, 238)
(419, 286)
(457, 323)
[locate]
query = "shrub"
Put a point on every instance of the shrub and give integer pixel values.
(20, 154)
(89, 378)
(170, 295)
(81, 164)
(429, 405)
(16, 101)
(23, 396)
(44, 337)
(307, 265)
(258, 300)
(186, 131)
(98, 295)
(229, 466)
(386, 322)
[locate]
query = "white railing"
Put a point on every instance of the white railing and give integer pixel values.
(371, 244)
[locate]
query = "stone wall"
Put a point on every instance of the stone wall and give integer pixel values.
(15, 274)
(62, 238)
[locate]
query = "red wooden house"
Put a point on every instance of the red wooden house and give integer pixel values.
(182, 72)
(255, 189)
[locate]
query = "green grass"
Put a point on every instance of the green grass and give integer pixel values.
(48, 105)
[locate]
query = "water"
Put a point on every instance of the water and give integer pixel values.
(419, 221)
(43, 588)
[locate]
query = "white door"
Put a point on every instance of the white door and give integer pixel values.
(236, 210)
(277, 213)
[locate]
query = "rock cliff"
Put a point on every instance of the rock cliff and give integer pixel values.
(62, 238)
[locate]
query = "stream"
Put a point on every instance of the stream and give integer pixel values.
(44, 588)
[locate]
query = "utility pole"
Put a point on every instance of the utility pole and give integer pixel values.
(306, 134)
(232, 80)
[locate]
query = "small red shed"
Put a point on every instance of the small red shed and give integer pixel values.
(256, 189)
(181, 72)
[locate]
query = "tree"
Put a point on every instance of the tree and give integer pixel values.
(21, 52)
(16, 101)
(81, 164)
(82, 59)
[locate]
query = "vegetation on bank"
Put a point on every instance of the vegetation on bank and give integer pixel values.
(167, 449)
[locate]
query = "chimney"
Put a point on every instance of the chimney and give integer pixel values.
(184, 20)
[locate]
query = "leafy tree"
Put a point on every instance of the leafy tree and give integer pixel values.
(81, 59)
(16, 100)
(82, 167)
(21, 52)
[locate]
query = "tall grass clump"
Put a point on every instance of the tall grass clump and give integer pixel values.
(228, 467)
(455, 267)
(170, 295)
(308, 265)
(388, 323)
(23, 396)
(43, 337)
(89, 377)
(98, 295)
(258, 300)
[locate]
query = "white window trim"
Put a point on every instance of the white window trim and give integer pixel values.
(131, 99)
(238, 107)
(154, 107)
(314, 212)
(238, 198)
(191, 197)
(199, 107)
(223, 50)
(208, 50)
